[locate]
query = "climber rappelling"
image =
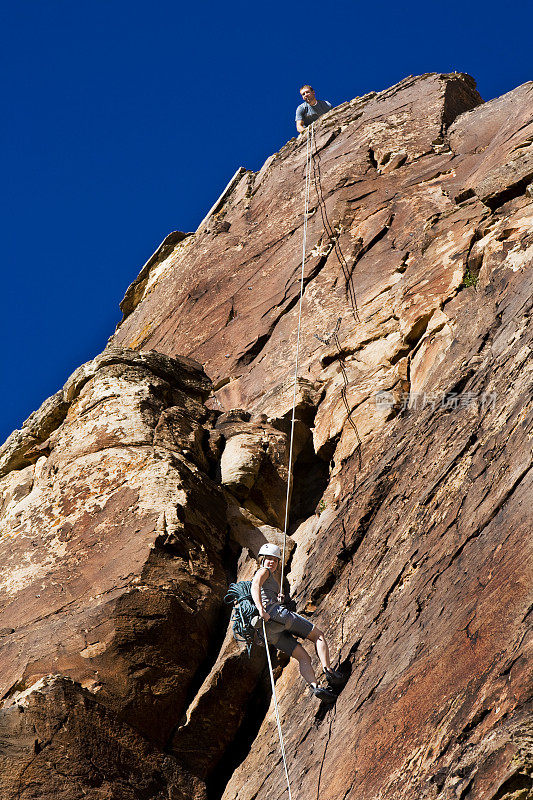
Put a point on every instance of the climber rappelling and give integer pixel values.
(283, 624)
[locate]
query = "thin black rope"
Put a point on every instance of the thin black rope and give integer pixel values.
(333, 235)
(331, 713)
(334, 336)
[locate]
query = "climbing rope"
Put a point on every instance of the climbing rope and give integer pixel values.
(334, 235)
(277, 711)
(308, 162)
(344, 391)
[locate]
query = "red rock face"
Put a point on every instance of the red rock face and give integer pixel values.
(133, 496)
(104, 567)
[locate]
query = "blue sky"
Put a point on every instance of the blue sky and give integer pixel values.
(124, 120)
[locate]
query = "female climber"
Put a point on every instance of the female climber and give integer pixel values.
(274, 604)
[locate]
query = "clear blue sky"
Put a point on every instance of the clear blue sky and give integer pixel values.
(124, 120)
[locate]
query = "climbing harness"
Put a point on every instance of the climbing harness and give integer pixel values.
(308, 162)
(278, 721)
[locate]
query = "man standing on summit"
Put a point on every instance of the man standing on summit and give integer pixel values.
(311, 109)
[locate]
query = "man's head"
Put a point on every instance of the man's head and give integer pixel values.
(308, 93)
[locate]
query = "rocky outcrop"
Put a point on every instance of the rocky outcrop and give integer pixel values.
(152, 271)
(111, 548)
(115, 559)
(64, 743)
(137, 492)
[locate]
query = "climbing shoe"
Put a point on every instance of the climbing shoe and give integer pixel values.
(334, 678)
(324, 694)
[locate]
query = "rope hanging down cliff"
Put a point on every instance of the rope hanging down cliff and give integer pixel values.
(278, 721)
(309, 165)
(308, 161)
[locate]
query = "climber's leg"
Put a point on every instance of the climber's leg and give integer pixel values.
(304, 662)
(321, 646)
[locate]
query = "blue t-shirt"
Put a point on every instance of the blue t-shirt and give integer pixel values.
(308, 113)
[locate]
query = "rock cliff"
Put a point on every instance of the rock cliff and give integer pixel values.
(137, 492)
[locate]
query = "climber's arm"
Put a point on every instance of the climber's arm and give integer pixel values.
(258, 580)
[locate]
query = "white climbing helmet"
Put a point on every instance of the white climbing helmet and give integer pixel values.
(270, 550)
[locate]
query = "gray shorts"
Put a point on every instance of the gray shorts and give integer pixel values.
(293, 625)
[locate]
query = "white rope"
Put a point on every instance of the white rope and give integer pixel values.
(277, 712)
(309, 155)
(308, 160)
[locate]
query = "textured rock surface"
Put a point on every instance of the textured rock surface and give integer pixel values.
(112, 545)
(114, 562)
(129, 501)
(64, 744)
